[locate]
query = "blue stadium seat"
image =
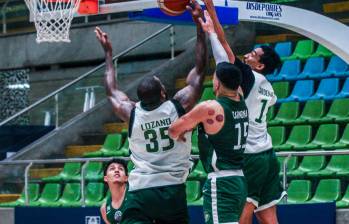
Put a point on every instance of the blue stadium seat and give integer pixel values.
(344, 93)
(314, 67)
(327, 90)
(336, 67)
(289, 71)
(283, 49)
(301, 91)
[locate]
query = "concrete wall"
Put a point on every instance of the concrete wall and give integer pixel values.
(19, 51)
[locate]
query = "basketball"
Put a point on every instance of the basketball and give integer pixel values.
(173, 7)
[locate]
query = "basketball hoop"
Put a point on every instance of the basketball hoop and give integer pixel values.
(52, 18)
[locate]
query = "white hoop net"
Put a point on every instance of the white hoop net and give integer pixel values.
(52, 18)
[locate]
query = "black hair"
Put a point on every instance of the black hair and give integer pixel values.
(270, 59)
(118, 161)
(229, 75)
(149, 91)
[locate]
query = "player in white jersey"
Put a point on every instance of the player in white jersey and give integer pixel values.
(156, 185)
(261, 167)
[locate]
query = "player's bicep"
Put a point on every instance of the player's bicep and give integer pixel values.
(122, 105)
(188, 97)
(188, 121)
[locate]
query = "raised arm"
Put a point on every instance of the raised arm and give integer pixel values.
(190, 95)
(121, 104)
(210, 113)
(219, 29)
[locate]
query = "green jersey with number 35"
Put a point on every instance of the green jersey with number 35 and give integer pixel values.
(158, 159)
(260, 98)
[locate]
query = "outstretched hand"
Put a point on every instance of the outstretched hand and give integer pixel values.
(195, 10)
(104, 40)
(207, 25)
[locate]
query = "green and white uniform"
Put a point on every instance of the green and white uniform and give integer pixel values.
(261, 167)
(161, 165)
(222, 156)
(114, 214)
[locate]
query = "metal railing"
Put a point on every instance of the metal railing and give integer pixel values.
(55, 94)
(3, 13)
(86, 161)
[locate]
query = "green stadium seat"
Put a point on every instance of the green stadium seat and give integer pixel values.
(124, 150)
(94, 194)
(198, 172)
(338, 166)
(304, 49)
(207, 94)
(342, 143)
(33, 191)
(130, 166)
(94, 171)
(313, 112)
(71, 171)
(327, 191)
(299, 137)
(194, 143)
(278, 135)
(309, 164)
(287, 113)
(327, 134)
(344, 202)
(270, 113)
(110, 148)
(322, 51)
(338, 111)
(281, 89)
(49, 195)
(299, 191)
(71, 196)
(291, 164)
(193, 189)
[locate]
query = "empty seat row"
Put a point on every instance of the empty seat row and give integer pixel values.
(300, 138)
(113, 146)
(314, 68)
(314, 111)
(304, 49)
(316, 167)
(304, 90)
(328, 190)
(71, 197)
(51, 195)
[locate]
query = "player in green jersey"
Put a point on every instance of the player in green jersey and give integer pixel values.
(115, 176)
(222, 144)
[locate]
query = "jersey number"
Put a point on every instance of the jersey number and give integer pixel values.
(242, 131)
(151, 135)
(264, 104)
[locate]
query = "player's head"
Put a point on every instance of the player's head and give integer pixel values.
(263, 60)
(226, 78)
(151, 92)
(115, 171)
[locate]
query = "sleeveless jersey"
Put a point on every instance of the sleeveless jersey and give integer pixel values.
(224, 150)
(159, 160)
(260, 98)
(114, 215)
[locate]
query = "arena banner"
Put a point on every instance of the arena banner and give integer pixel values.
(227, 16)
(324, 213)
(307, 23)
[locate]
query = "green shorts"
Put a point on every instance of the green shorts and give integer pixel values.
(224, 199)
(165, 205)
(263, 182)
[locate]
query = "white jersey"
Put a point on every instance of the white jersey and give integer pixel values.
(260, 98)
(159, 160)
